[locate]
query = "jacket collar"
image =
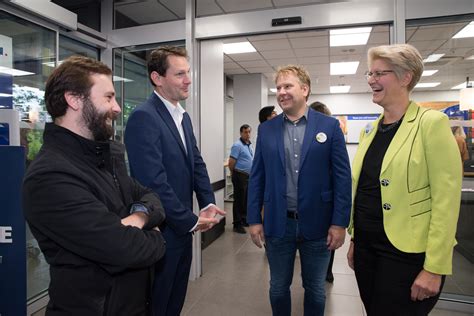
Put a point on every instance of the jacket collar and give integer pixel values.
(76, 146)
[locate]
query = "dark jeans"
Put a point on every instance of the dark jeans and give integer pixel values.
(240, 181)
(314, 257)
(385, 275)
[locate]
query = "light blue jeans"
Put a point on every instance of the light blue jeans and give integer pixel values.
(314, 256)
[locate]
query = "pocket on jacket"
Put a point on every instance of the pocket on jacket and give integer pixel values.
(420, 225)
(326, 196)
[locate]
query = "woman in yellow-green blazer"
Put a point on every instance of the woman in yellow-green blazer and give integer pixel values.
(406, 192)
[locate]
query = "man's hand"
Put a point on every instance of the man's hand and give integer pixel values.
(336, 236)
(350, 255)
(211, 211)
(206, 223)
(137, 219)
(257, 235)
(426, 284)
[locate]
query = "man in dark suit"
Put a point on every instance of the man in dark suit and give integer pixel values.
(164, 156)
(301, 175)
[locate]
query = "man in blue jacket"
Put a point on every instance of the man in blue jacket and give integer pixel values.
(164, 156)
(301, 175)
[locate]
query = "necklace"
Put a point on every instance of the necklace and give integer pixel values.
(388, 127)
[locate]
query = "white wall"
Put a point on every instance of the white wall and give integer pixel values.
(212, 109)
(250, 94)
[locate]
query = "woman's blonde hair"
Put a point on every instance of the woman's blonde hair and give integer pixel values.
(402, 57)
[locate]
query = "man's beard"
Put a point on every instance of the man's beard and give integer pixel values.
(97, 122)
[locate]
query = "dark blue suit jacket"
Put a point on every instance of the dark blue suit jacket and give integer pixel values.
(324, 181)
(159, 161)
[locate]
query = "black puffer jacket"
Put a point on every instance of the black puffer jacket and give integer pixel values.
(75, 194)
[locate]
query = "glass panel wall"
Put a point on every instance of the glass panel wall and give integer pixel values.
(449, 63)
(32, 52)
(132, 84)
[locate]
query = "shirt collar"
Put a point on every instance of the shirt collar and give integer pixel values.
(305, 115)
(246, 144)
(170, 106)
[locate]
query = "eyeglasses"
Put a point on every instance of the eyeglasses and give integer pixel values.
(377, 74)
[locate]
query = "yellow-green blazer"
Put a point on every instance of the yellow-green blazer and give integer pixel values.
(421, 179)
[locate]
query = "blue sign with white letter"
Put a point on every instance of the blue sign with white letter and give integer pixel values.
(12, 233)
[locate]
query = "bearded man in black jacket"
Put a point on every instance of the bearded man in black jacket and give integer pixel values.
(96, 226)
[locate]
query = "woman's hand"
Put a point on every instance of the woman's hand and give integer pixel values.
(426, 284)
(350, 255)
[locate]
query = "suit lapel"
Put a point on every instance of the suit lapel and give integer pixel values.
(311, 125)
(369, 134)
(279, 138)
(403, 132)
(166, 116)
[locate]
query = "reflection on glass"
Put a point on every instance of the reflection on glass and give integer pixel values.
(447, 62)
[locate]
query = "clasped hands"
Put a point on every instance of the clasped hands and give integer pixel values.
(207, 218)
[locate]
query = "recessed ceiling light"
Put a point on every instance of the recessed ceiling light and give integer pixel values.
(467, 31)
(238, 48)
(462, 85)
(339, 89)
(349, 37)
(14, 72)
(427, 84)
(432, 58)
(344, 68)
(274, 90)
(427, 73)
(470, 57)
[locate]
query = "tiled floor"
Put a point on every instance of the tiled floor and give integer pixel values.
(235, 281)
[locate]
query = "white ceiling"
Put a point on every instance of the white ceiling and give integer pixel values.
(311, 50)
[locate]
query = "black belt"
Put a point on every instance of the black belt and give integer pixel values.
(293, 215)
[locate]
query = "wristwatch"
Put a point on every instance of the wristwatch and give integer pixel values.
(138, 207)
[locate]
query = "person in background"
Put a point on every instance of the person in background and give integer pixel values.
(163, 155)
(95, 225)
(407, 189)
(301, 174)
(322, 108)
(266, 113)
(460, 137)
(240, 163)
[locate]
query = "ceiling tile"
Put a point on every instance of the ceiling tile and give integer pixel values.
(146, 12)
(310, 42)
(276, 54)
(246, 56)
(309, 52)
(276, 44)
(254, 63)
(207, 7)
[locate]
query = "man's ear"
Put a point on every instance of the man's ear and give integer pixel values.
(156, 78)
(73, 101)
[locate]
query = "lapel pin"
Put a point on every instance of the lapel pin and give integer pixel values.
(368, 128)
(321, 137)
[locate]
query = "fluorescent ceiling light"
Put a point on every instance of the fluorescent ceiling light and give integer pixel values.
(467, 31)
(5, 95)
(427, 84)
(427, 73)
(52, 63)
(349, 37)
(461, 85)
(339, 89)
(238, 48)
(344, 68)
(274, 90)
(432, 58)
(117, 78)
(470, 57)
(14, 72)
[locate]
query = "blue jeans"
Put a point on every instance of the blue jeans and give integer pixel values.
(314, 256)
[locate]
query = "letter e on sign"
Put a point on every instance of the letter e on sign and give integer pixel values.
(5, 235)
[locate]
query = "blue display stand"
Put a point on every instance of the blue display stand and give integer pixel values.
(12, 233)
